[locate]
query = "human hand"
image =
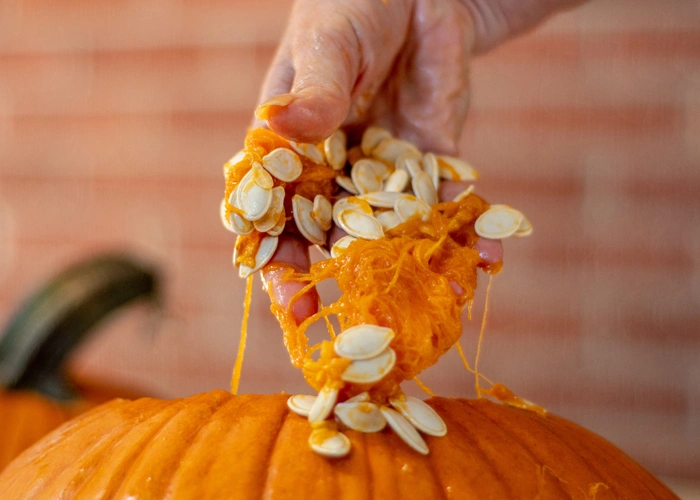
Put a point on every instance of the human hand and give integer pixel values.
(400, 64)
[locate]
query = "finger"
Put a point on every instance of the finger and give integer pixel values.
(291, 252)
(449, 189)
(341, 52)
(431, 97)
(277, 84)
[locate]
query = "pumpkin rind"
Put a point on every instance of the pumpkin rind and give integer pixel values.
(216, 445)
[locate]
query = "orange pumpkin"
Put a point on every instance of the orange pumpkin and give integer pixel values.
(35, 395)
(219, 446)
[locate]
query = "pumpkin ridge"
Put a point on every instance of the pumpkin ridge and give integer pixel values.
(368, 469)
(540, 422)
(637, 473)
(537, 461)
(447, 411)
(178, 410)
(128, 449)
(436, 477)
(265, 491)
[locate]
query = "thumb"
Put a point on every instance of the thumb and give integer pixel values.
(325, 57)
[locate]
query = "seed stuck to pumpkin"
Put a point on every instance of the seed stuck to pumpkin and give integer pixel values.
(329, 443)
(301, 404)
(420, 415)
(323, 405)
(404, 430)
(369, 371)
(360, 416)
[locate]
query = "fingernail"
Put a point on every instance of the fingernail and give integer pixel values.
(266, 109)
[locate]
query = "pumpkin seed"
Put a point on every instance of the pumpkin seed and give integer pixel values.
(404, 430)
(420, 415)
(277, 229)
(391, 148)
(524, 229)
(329, 444)
(266, 250)
(308, 227)
(359, 224)
(341, 245)
(365, 177)
(322, 212)
(382, 169)
(372, 137)
(407, 207)
(283, 164)
(323, 405)
(410, 164)
(301, 404)
(360, 417)
(498, 222)
(227, 223)
(269, 220)
(359, 398)
(388, 220)
(381, 199)
(368, 371)
(240, 225)
(464, 194)
(363, 341)
(346, 183)
(253, 198)
(455, 169)
(311, 151)
(397, 181)
(423, 188)
(351, 203)
(431, 167)
(335, 148)
(322, 250)
(235, 159)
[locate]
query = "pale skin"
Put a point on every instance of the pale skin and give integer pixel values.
(401, 64)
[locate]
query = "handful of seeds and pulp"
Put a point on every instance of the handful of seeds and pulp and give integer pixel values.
(406, 266)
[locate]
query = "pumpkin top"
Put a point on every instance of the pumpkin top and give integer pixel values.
(216, 445)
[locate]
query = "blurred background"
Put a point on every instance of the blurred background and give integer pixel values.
(116, 117)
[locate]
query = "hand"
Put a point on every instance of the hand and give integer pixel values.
(401, 64)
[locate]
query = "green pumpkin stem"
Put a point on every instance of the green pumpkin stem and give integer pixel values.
(63, 313)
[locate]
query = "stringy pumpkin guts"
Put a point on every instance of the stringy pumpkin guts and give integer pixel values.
(405, 270)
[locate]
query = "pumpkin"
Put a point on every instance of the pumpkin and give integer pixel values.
(216, 445)
(35, 394)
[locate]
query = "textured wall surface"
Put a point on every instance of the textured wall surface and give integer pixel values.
(115, 119)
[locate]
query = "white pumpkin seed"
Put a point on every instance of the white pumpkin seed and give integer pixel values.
(420, 415)
(277, 229)
(408, 206)
(524, 229)
(381, 199)
(301, 404)
(360, 417)
(456, 169)
(311, 151)
(371, 138)
(431, 167)
(237, 158)
(359, 224)
(409, 164)
(322, 212)
(253, 198)
(346, 183)
(382, 169)
(351, 203)
(498, 222)
(390, 149)
(308, 227)
(363, 341)
(340, 245)
(335, 148)
(388, 220)
(269, 220)
(283, 164)
(227, 223)
(423, 188)
(464, 193)
(359, 398)
(322, 250)
(397, 181)
(368, 371)
(266, 250)
(240, 225)
(331, 445)
(404, 430)
(365, 177)
(323, 405)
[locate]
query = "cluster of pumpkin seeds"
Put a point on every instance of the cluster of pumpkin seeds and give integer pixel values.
(386, 181)
(371, 359)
